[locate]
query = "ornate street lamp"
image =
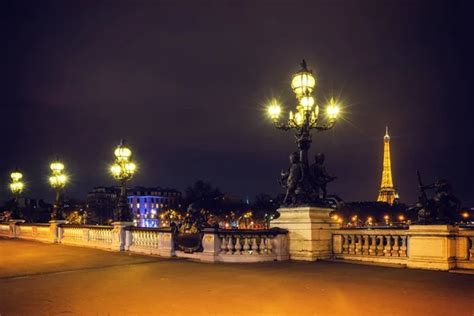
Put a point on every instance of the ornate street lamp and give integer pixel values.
(16, 186)
(307, 117)
(122, 170)
(57, 180)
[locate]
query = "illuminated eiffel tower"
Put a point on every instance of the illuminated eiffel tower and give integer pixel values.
(387, 192)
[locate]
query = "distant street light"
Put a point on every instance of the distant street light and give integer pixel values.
(306, 118)
(16, 186)
(122, 170)
(57, 180)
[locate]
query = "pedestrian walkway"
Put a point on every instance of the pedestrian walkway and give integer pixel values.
(49, 279)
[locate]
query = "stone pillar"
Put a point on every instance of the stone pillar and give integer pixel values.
(211, 244)
(55, 230)
(14, 228)
(432, 247)
(166, 248)
(309, 231)
(280, 244)
(119, 235)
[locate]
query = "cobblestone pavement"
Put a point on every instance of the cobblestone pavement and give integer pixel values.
(47, 279)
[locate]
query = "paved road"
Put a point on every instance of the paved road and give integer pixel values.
(45, 279)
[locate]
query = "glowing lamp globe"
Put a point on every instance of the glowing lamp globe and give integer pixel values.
(332, 110)
(57, 166)
(130, 167)
(274, 111)
(122, 153)
(16, 176)
(307, 102)
(303, 83)
(16, 187)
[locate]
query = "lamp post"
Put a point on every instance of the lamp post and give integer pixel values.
(306, 118)
(122, 170)
(57, 180)
(16, 186)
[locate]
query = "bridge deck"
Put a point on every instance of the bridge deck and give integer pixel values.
(46, 279)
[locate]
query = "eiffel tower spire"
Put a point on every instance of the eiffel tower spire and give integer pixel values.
(387, 191)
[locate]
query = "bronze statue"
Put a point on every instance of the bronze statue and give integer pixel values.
(320, 177)
(188, 235)
(292, 179)
(442, 208)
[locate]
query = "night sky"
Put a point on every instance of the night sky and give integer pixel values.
(185, 84)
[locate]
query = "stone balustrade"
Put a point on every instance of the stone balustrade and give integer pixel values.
(35, 231)
(376, 245)
(153, 241)
(441, 247)
(86, 235)
(252, 245)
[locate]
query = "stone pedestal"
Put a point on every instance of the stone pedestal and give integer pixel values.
(119, 235)
(55, 230)
(309, 231)
(432, 247)
(211, 245)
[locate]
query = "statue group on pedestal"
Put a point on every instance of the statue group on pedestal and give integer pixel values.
(305, 184)
(442, 208)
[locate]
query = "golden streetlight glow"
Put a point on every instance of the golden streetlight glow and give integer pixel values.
(332, 110)
(58, 179)
(307, 102)
(465, 215)
(123, 168)
(303, 83)
(16, 186)
(401, 218)
(274, 110)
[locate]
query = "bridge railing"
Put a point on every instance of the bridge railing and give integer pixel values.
(93, 236)
(374, 245)
(252, 245)
(153, 241)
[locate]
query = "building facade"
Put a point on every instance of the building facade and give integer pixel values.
(147, 203)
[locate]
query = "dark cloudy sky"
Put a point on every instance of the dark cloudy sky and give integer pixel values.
(185, 82)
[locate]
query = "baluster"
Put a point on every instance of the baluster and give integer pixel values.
(388, 247)
(365, 248)
(223, 244)
(373, 245)
(358, 248)
(238, 245)
(230, 245)
(269, 244)
(403, 247)
(352, 246)
(395, 247)
(345, 244)
(380, 246)
(254, 246)
(246, 244)
(262, 245)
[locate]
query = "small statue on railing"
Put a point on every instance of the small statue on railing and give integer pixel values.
(442, 208)
(320, 177)
(188, 235)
